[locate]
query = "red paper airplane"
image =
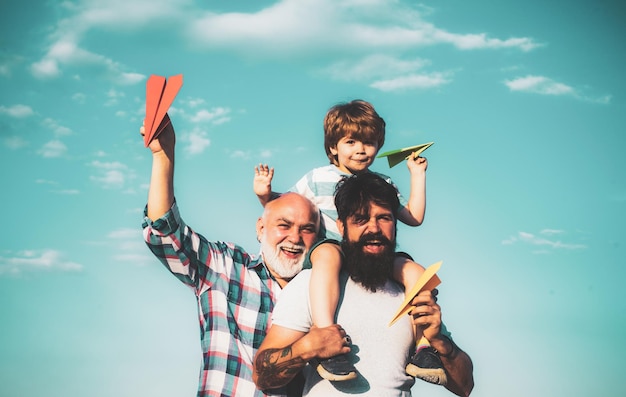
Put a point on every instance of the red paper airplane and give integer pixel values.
(159, 97)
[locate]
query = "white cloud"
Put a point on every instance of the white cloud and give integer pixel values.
(46, 182)
(111, 175)
(603, 100)
(412, 81)
(114, 96)
(388, 73)
(15, 142)
(126, 78)
(57, 191)
(129, 246)
(239, 154)
(545, 86)
(54, 148)
(373, 66)
(529, 238)
(551, 232)
(8, 63)
(193, 102)
(129, 15)
(17, 111)
(539, 85)
(45, 68)
(58, 129)
(36, 260)
(69, 192)
(293, 29)
(79, 97)
(109, 16)
(482, 41)
(67, 52)
(217, 115)
(197, 141)
(314, 26)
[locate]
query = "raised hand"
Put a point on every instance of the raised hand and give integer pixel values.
(166, 140)
(418, 164)
(262, 183)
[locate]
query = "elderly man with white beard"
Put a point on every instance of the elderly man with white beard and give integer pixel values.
(235, 291)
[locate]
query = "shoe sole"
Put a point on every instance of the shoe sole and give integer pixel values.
(436, 376)
(334, 377)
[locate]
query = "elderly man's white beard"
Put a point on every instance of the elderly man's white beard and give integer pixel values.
(283, 267)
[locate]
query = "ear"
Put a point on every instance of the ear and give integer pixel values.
(259, 229)
(333, 150)
(340, 227)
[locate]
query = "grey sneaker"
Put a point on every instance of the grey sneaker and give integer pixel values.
(336, 368)
(426, 365)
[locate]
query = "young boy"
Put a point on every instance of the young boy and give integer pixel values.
(353, 135)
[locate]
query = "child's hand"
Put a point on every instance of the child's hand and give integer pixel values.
(420, 164)
(262, 184)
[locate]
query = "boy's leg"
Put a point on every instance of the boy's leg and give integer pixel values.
(324, 284)
(324, 296)
(425, 363)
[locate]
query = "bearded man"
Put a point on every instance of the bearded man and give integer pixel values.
(366, 206)
(235, 291)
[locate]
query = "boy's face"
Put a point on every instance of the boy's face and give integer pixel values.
(353, 155)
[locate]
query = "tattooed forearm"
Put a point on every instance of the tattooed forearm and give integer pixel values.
(276, 367)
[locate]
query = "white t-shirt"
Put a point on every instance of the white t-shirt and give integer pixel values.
(379, 353)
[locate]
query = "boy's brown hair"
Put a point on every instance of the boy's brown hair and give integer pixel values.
(356, 119)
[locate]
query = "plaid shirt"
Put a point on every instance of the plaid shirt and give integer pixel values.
(235, 295)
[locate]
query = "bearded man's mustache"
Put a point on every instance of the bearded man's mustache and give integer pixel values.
(371, 237)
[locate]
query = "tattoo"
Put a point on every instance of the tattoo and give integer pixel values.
(276, 367)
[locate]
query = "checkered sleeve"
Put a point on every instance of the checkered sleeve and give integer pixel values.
(185, 253)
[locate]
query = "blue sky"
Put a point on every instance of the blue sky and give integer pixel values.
(525, 102)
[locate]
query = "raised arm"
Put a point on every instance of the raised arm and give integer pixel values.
(413, 213)
(458, 365)
(161, 192)
(284, 352)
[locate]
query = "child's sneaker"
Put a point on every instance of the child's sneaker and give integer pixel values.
(426, 365)
(336, 368)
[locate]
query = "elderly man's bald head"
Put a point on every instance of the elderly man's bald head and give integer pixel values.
(294, 200)
(287, 230)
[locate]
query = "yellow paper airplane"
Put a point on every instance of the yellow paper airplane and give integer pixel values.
(427, 281)
(397, 156)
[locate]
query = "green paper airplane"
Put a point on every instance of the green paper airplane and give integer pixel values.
(397, 156)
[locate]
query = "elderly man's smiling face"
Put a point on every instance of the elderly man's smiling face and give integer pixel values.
(287, 230)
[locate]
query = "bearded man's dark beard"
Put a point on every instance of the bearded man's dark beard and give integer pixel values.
(370, 270)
